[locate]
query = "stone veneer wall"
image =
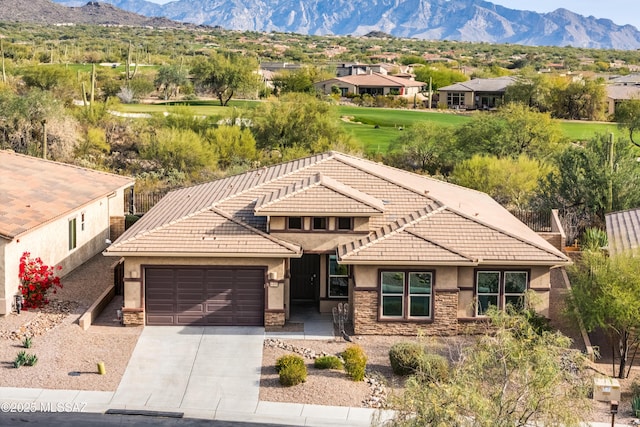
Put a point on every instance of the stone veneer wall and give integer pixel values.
(116, 227)
(132, 317)
(365, 317)
(274, 319)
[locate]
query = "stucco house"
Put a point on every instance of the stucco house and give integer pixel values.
(406, 251)
(476, 93)
(61, 213)
(373, 84)
(620, 93)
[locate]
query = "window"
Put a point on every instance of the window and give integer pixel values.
(500, 288)
(345, 223)
(455, 98)
(294, 223)
(82, 221)
(319, 223)
(406, 294)
(72, 234)
(338, 278)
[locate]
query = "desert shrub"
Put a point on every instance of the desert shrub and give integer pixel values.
(291, 369)
(406, 358)
(289, 359)
(410, 358)
(434, 367)
(355, 362)
(328, 362)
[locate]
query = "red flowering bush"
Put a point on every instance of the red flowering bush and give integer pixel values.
(36, 278)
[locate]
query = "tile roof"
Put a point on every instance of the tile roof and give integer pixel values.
(210, 232)
(318, 195)
(623, 230)
(377, 80)
(34, 191)
(498, 84)
(418, 218)
(623, 92)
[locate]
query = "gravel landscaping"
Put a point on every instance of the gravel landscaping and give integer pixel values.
(68, 356)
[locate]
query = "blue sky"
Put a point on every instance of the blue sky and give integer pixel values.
(619, 11)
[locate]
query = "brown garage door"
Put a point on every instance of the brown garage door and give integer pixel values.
(204, 296)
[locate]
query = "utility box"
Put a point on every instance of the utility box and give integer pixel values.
(606, 389)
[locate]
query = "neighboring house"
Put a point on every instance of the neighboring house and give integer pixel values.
(620, 93)
(628, 80)
(372, 84)
(476, 93)
(623, 230)
(406, 251)
(353, 69)
(58, 212)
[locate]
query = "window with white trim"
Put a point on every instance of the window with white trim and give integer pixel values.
(406, 294)
(500, 288)
(338, 278)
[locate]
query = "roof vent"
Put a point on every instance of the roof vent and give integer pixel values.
(386, 202)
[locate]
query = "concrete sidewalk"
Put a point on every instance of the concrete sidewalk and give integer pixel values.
(289, 414)
(201, 372)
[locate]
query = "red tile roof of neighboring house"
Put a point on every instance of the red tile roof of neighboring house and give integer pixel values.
(34, 191)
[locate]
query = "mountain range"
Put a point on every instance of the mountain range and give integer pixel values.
(464, 20)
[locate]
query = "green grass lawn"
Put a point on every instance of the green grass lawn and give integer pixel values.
(363, 128)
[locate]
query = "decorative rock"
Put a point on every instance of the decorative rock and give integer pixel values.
(378, 396)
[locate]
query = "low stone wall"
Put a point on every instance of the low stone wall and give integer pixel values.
(365, 317)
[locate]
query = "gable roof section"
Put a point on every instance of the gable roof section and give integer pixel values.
(441, 237)
(623, 230)
(34, 191)
(498, 84)
(423, 220)
(318, 195)
(209, 232)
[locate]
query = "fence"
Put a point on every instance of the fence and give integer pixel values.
(140, 203)
(538, 221)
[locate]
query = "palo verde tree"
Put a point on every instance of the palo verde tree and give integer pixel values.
(604, 294)
(225, 75)
(424, 147)
(515, 375)
(301, 123)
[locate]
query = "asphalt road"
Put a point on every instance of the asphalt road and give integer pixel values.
(75, 419)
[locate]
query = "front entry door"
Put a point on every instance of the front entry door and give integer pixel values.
(305, 278)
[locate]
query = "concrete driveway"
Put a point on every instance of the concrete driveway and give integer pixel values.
(174, 368)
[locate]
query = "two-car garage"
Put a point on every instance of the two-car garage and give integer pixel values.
(214, 296)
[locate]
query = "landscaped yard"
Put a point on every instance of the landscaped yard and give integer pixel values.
(374, 128)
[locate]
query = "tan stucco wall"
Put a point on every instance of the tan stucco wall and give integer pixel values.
(452, 278)
(539, 280)
(51, 243)
(3, 279)
(317, 241)
(133, 269)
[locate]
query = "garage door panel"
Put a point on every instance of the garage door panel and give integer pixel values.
(204, 296)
